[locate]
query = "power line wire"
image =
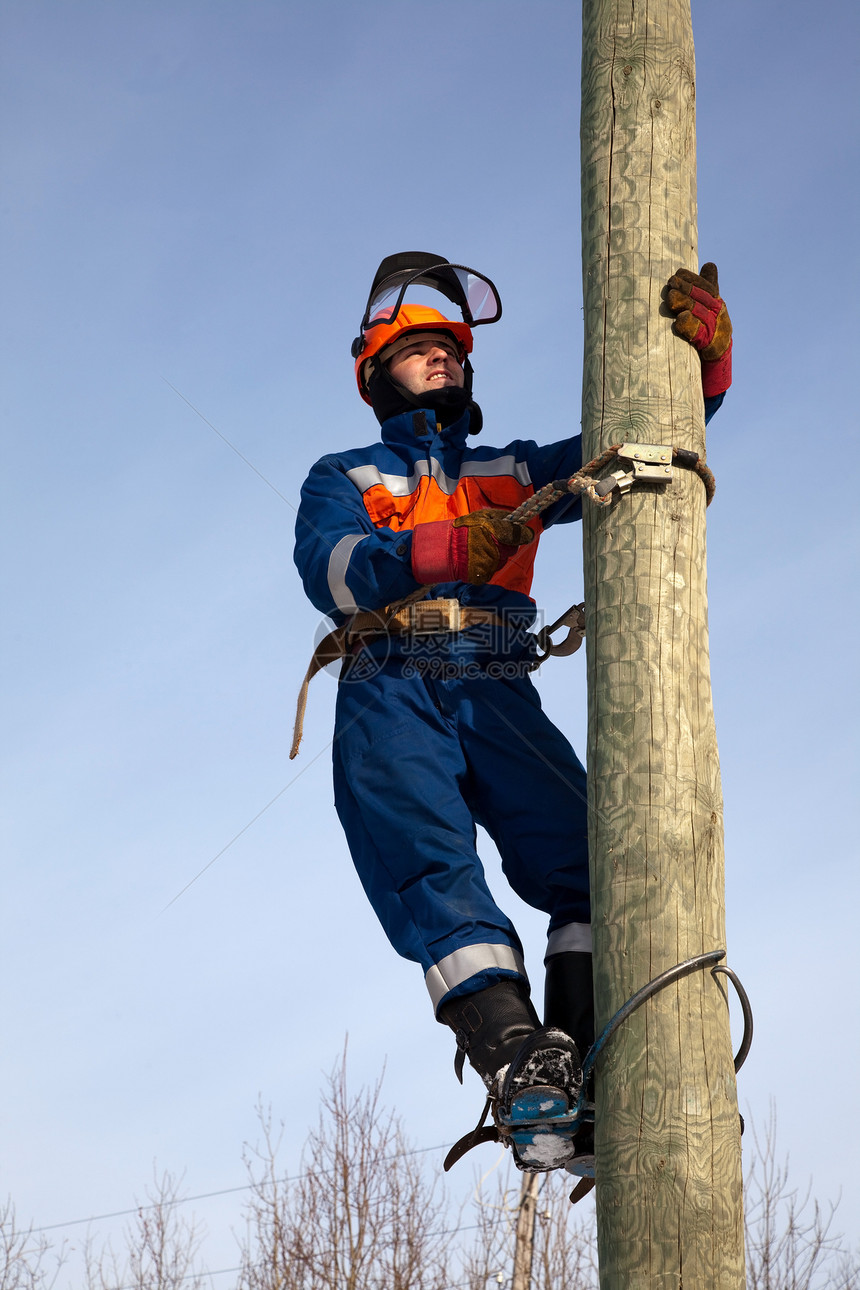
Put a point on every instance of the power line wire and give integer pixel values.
(231, 446)
(218, 1272)
(208, 1195)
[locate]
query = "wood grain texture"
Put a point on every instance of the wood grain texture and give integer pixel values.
(668, 1143)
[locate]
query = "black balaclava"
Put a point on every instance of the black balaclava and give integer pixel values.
(389, 398)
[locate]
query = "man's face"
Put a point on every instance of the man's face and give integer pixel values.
(427, 363)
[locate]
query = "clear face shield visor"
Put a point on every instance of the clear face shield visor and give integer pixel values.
(432, 282)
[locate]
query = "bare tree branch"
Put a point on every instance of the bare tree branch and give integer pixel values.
(361, 1216)
(24, 1255)
(789, 1242)
(564, 1251)
(160, 1248)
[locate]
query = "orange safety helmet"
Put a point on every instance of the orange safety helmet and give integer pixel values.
(418, 318)
(387, 315)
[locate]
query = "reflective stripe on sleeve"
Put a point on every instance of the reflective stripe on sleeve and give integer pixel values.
(337, 566)
(501, 466)
(365, 477)
(574, 937)
(456, 968)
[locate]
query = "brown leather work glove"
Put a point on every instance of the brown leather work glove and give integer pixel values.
(703, 320)
(470, 548)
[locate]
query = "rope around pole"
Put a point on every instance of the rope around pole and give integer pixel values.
(595, 489)
(582, 482)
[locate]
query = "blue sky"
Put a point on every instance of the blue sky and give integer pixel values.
(196, 196)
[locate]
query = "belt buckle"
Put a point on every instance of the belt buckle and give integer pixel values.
(429, 617)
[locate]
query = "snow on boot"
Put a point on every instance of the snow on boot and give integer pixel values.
(542, 1083)
(569, 1004)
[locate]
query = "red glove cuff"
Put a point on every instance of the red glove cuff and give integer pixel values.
(716, 375)
(433, 558)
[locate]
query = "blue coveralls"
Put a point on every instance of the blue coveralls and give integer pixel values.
(434, 735)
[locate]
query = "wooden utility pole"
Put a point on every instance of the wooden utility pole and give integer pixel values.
(669, 1210)
(524, 1244)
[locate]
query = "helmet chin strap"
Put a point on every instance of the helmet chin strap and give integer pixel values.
(389, 398)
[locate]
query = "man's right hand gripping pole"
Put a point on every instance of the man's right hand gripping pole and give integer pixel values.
(702, 319)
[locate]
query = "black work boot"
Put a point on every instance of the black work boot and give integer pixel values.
(491, 1026)
(531, 1072)
(569, 997)
(569, 1004)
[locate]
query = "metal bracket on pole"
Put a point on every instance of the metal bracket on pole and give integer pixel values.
(647, 463)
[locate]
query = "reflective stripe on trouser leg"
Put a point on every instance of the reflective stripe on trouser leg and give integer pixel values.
(574, 937)
(458, 967)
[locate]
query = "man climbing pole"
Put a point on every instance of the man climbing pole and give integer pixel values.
(409, 547)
